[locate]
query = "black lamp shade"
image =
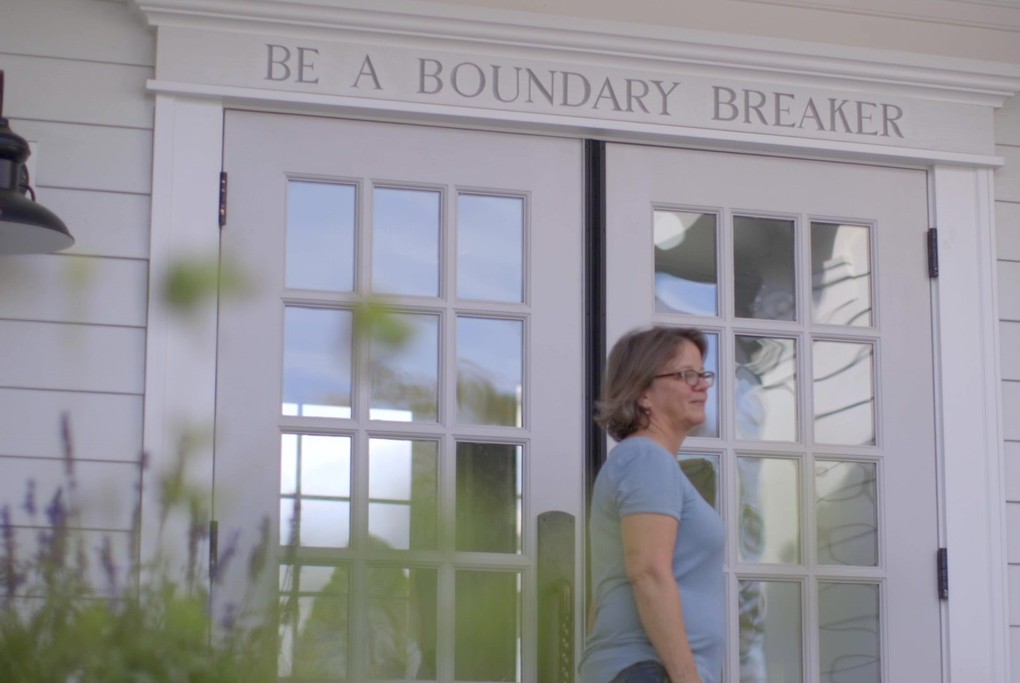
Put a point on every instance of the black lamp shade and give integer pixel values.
(29, 228)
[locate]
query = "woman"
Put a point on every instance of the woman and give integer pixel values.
(656, 545)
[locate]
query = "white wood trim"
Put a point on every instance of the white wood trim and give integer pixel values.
(967, 367)
(967, 80)
(180, 372)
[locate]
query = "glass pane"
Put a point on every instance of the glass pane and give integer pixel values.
(848, 633)
(405, 378)
(487, 637)
(710, 427)
(402, 493)
(314, 630)
(766, 388)
(320, 236)
(841, 274)
(770, 632)
(702, 469)
(686, 276)
(313, 465)
(490, 248)
(405, 242)
(317, 362)
(847, 513)
(769, 508)
(764, 285)
(489, 497)
(402, 623)
(489, 371)
(844, 393)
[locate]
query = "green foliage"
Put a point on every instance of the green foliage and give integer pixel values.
(191, 282)
(57, 625)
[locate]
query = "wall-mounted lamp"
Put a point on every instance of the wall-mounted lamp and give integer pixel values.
(25, 227)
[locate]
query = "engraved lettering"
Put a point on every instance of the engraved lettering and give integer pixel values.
(811, 112)
(665, 95)
(734, 111)
(607, 93)
(367, 69)
(633, 97)
(534, 82)
(304, 67)
(455, 79)
(836, 110)
(429, 69)
(889, 121)
(755, 106)
(278, 56)
(568, 77)
(862, 117)
(496, 80)
(783, 110)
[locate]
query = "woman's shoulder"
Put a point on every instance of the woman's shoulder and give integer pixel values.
(639, 451)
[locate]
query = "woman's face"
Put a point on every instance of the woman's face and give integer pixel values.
(671, 401)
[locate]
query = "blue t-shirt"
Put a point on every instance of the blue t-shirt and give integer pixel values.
(641, 476)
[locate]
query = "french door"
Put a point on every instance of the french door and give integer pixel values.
(811, 282)
(398, 395)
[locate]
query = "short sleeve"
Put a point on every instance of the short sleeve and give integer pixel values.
(648, 481)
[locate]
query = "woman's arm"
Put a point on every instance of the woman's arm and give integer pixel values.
(648, 544)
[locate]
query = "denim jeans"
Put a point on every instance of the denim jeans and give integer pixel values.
(649, 671)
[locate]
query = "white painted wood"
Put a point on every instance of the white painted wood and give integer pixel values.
(1012, 460)
(1013, 518)
(1014, 594)
(1007, 122)
(105, 491)
(103, 426)
(180, 355)
(75, 289)
(103, 223)
(72, 357)
(68, 90)
(977, 646)
(1009, 291)
(1007, 178)
(1014, 639)
(1007, 230)
(88, 157)
(1009, 343)
(76, 29)
(1011, 413)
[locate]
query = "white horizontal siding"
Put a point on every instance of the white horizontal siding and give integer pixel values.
(1007, 178)
(1012, 453)
(88, 157)
(105, 491)
(1013, 544)
(76, 289)
(103, 223)
(1007, 122)
(1009, 291)
(102, 426)
(106, 94)
(1009, 342)
(72, 357)
(1007, 226)
(76, 29)
(1011, 417)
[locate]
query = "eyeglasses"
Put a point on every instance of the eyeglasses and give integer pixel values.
(692, 377)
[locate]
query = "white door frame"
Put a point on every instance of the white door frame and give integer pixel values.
(180, 365)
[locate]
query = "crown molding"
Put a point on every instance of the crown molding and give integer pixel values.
(463, 28)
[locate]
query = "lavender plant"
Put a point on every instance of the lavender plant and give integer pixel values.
(77, 614)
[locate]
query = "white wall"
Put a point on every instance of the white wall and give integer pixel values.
(72, 325)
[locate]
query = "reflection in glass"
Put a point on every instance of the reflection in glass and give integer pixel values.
(769, 509)
(686, 276)
(314, 640)
(702, 469)
(401, 623)
(405, 241)
(490, 371)
(846, 510)
(402, 492)
(710, 427)
(764, 283)
(844, 392)
(405, 377)
(320, 236)
(766, 388)
(490, 248)
(489, 480)
(317, 362)
(848, 633)
(487, 634)
(841, 274)
(770, 632)
(315, 490)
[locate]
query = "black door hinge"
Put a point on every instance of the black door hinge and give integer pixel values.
(933, 252)
(942, 560)
(223, 198)
(214, 547)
